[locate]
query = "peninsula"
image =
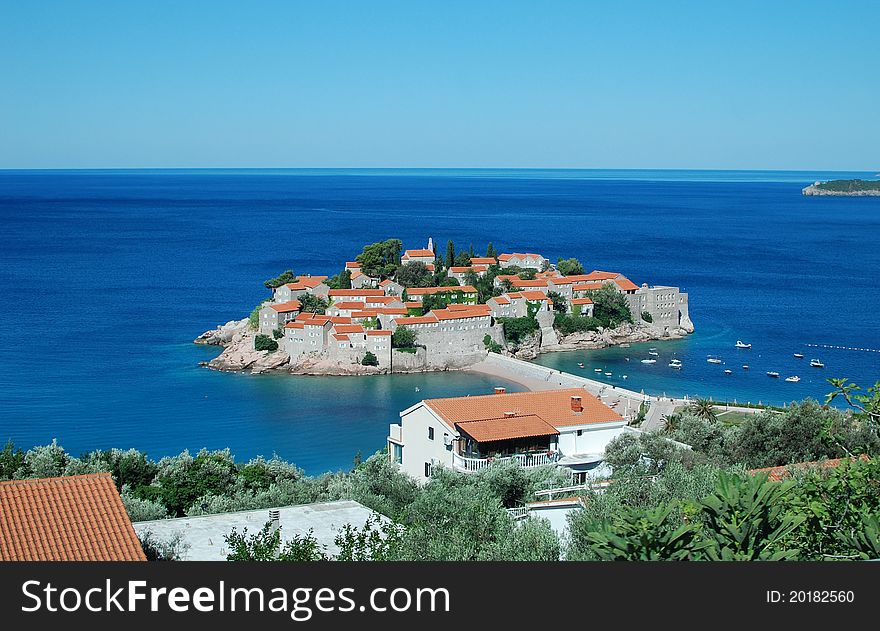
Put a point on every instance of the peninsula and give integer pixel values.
(395, 310)
(845, 188)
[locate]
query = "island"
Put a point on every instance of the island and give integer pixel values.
(395, 311)
(845, 188)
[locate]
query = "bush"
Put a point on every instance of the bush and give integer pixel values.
(414, 274)
(403, 337)
(313, 304)
(491, 345)
(278, 333)
(281, 279)
(370, 360)
(610, 306)
(568, 324)
(569, 267)
(647, 317)
(265, 343)
(517, 329)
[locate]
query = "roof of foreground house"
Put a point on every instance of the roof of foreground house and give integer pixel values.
(552, 406)
(71, 518)
(490, 430)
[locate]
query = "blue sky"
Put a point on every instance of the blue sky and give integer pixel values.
(741, 85)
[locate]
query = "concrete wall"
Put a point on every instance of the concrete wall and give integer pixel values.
(592, 440)
(418, 449)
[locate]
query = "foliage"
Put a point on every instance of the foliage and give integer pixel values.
(254, 317)
(450, 253)
(462, 259)
(375, 541)
(266, 545)
(342, 280)
(560, 303)
(414, 274)
(370, 359)
(277, 333)
(569, 267)
(491, 345)
(11, 461)
(381, 260)
(865, 406)
(703, 408)
(647, 317)
(448, 281)
(404, 337)
(568, 324)
(282, 279)
(265, 343)
(172, 549)
(647, 453)
(310, 303)
(491, 252)
(517, 329)
(610, 306)
(142, 509)
(850, 186)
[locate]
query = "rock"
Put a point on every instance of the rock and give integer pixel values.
(311, 365)
(223, 334)
(270, 361)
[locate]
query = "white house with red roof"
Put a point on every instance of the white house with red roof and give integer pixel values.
(307, 284)
(525, 260)
(568, 427)
(418, 256)
(276, 315)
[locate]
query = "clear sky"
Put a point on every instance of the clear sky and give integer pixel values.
(616, 84)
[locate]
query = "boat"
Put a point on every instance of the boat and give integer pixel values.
(624, 346)
(728, 372)
(580, 364)
(649, 361)
(654, 353)
(597, 370)
(623, 376)
(815, 363)
(713, 360)
(675, 363)
(745, 366)
(799, 355)
(772, 373)
(793, 379)
(652, 349)
(607, 374)
(626, 359)
(741, 344)
(417, 389)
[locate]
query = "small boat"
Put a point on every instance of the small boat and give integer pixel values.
(793, 379)
(418, 389)
(741, 344)
(675, 363)
(623, 376)
(580, 364)
(652, 349)
(799, 355)
(624, 346)
(607, 374)
(654, 353)
(745, 366)
(713, 360)
(772, 373)
(649, 361)
(626, 359)
(597, 370)
(728, 372)
(815, 363)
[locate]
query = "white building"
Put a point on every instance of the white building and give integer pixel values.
(569, 428)
(529, 260)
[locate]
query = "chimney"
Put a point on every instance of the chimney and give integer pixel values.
(500, 390)
(576, 404)
(275, 519)
(509, 414)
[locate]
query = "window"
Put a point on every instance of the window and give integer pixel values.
(396, 453)
(580, 432)
(427, 469)
(430, 433)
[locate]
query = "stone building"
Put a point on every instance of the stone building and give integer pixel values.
(274, 316)
(527, 260)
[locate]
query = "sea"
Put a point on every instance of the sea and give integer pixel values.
(106, 277)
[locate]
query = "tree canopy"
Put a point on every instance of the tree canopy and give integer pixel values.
(381, 260)
(569, 267)
(282, 279)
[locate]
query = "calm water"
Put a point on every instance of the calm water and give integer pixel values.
(106, 277)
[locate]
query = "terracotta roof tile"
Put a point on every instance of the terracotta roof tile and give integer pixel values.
(483, 260)
(356, 292)
(418, 254)
(72, 518)
(428, 291)
(286, 307)
(535, 295)
(553, 406)
(626, 284)
(348, 305)
(581, 301)
(375, 332)
(507, 428)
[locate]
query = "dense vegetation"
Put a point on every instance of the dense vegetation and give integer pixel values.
(265, 343)
(282, 279)
(568, 324)
(518, 329)
(569, 267)
(414, 274)
(610, 306)
(370, 359)
(403, 337)
(850, 186)
(310, 303)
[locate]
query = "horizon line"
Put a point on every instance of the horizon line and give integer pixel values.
(430, 168)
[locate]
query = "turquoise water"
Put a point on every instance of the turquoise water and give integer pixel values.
(107, 276)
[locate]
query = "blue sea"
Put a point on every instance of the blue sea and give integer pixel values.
(107, 276)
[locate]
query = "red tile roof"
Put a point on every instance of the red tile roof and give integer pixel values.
(600, 275)
(356, 292)
(587, 286)
(426, 319)
(518, 282)
(356, 274)
(348, 328)
(626, 284)
(429, 291)
(352, 265)
(295, 325)
(553, 406)
(418, 254)
(775, 474)
(348, 305)
(483, 260)
(340, 319)
(374, 332)
(581, 301)
(72, 518)
(535, 295)
(507, 428)
(501, 300)
(461, 314)
(287, 307)
(392, 310)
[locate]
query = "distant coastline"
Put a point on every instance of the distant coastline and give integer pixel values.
(844, 188)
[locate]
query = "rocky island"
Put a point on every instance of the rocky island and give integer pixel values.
(394, 311)
(845, 188)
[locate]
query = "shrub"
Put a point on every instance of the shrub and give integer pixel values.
(647, 317)
(568, 324)
(491, 345)
(414, 274)
(313, 304)
(569, 267)
(278, 333)
(610, 306)
(403, 337)
(265, 343)
(370, 360)
(517, 329)
(281, 279)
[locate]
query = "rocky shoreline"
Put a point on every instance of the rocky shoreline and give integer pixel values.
(812, 189)
(238, 355)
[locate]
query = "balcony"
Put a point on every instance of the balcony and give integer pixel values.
(394, 433)
(527, 461)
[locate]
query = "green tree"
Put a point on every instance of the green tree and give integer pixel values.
(265, 343)
(381, 260)
(370, 359)
(403, 337)
(491, 345)
(703, 408)
(278, 333)
(342, 280)
(865, 406)
(462, 259)
(610, 306)
(450, 253)
(490, 251)
(310, 303)
(266, 545)
(560, 303)
(414, 274)
(375, 541)
(11, 461)
(517, 329)
(281, 279)
(647, 317)
(569, 267)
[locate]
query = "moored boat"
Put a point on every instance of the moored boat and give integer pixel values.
(793, 379)
(815, 363)
(745, 366)
(649, 361)
(713, 360)
(799, 355)
(741, 344)
(772, 373)
(728, 372)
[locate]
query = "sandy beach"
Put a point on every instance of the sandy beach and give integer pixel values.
(493, 370)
